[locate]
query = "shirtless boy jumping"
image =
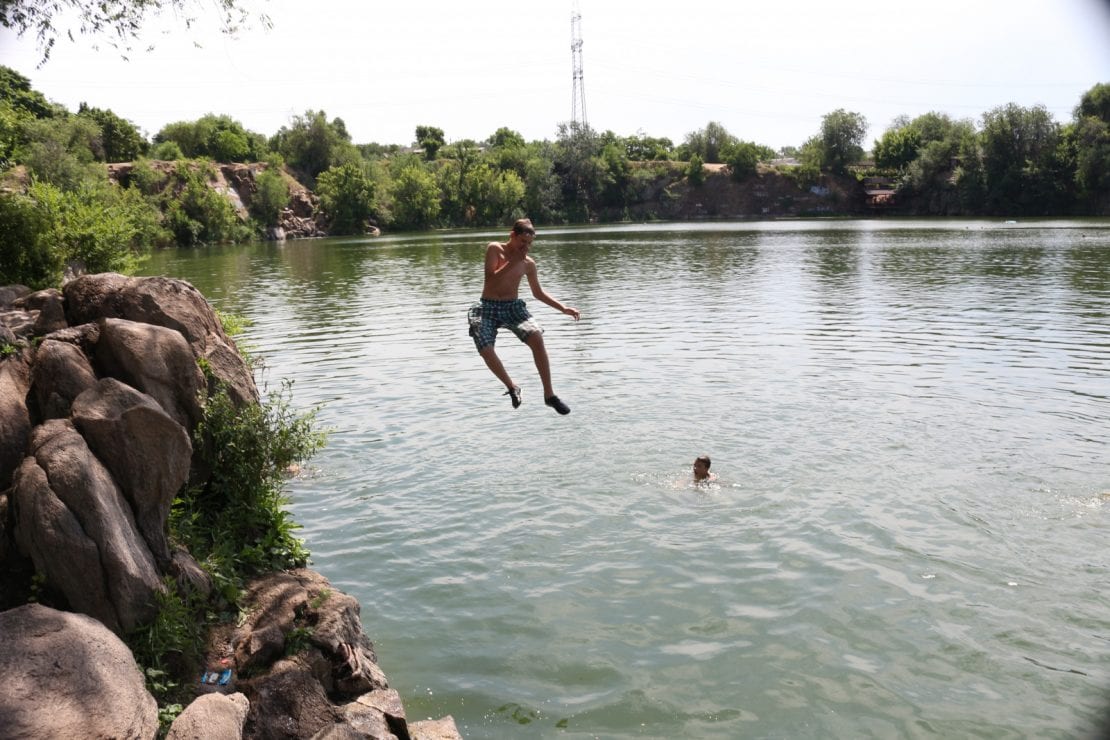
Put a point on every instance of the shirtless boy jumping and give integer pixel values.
(506, 264)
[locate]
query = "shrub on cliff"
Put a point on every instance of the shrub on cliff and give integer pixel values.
(236, 521)
(196, 213)
(271, 196)
(97, 225)
(25, 258)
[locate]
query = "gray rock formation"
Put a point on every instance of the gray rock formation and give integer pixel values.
(15, 420)
(100, 388)
(211, 717)
(146, 452)
(74, 522)
(66, 676)
(61, 373)
(173, 304)
(155, 360)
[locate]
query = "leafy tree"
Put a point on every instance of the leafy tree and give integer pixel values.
(743, 158)
(120, 140)
(840, 141)
(1021, 160)
(312, 144)
(580, 169)
(1095, 103)
(430, 139)
(347, 197)
(897, 147)
(61, 150)
(1092, 174)
(506, 138)
(507, 151)
(708, 143)
(642, 148)
(495, 197)
(617, 173)
(454, 185)
(16, 90)
(970, 182)
(119, 22)
(1091, 140)
(219, 138)
(12, 123)
(542, 187)
(415, 198)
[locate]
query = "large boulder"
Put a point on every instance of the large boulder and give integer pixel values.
(155, 360)
(145, 450)
(74, 523)
(211, 717)
(289, 702)
(49, 310)
(282, 602)
(166, 302)
(15, 421)
(60, 374)
(9, 294)
(65, 675)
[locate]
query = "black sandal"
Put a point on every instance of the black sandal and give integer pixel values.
(514, 395)
(558, 405)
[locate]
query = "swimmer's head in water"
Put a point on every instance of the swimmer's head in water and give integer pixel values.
(701, 467)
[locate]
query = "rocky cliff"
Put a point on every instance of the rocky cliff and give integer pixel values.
(101, 390)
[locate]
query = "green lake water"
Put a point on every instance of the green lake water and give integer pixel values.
(909, 421)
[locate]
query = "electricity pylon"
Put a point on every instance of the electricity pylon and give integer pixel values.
(578, 92)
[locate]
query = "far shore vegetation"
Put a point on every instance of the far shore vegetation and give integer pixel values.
(58, 204)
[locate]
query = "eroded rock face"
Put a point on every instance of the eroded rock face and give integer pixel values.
(67, 676)
(74, 522)
(15, 420)
(61, 373)
(145, 450)
(155, 360)
(166, 302)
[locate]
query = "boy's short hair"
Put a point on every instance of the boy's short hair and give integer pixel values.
(524, 226)
(704, 459)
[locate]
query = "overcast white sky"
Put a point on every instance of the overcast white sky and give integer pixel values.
(768, 71)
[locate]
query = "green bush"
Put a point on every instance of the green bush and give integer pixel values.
(168, 151)
(146, 179)
(270, 197)
(27, 256)
(94, 226)
(237, 519)
(347, 197)
(695, 170)
(198, 214)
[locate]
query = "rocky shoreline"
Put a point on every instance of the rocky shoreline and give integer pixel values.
(100, 388)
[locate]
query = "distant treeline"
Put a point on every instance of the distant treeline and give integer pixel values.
(59, 205)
